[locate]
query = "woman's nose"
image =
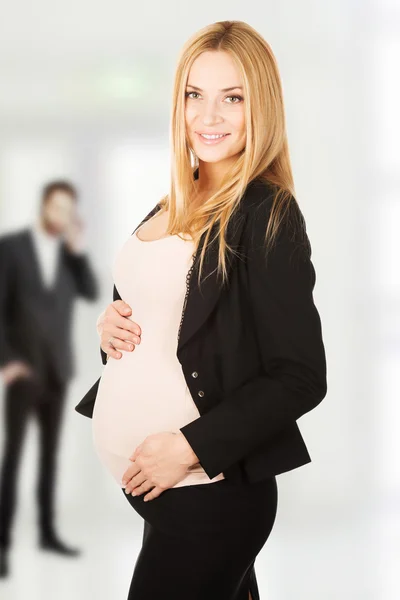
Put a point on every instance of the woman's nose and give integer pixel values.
(211, 115)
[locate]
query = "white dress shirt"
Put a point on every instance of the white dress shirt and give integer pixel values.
(47, 251)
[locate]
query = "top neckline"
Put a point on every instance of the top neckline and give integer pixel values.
(165, 237)
(150, 241)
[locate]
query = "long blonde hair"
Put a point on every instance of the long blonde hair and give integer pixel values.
(265, 158)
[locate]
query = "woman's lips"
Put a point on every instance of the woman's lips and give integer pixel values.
(211, 142)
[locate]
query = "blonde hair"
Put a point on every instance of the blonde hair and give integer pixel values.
(265, 158)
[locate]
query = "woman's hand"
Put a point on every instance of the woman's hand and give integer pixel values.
(116, 330)
(159, 463)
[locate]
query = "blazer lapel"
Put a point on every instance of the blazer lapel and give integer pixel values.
(202, 300)
(33, 258)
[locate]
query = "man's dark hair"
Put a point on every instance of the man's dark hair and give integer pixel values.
(59, 185)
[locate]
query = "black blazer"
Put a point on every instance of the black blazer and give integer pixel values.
(251, 352)
(35, 321)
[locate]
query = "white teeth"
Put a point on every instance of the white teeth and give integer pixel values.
(212, 137)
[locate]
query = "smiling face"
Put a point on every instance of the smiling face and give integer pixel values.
(214, 106)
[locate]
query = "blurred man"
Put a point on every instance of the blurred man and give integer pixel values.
(43, 268)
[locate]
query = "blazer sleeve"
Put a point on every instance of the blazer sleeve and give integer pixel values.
(7, 353)
(287, 326)
(82, 272)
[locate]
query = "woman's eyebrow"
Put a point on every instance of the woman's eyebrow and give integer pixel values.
(235, 87)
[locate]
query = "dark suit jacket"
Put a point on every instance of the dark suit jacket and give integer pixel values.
(35, 322)
(251, 353)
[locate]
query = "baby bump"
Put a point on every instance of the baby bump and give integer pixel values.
(136, 398)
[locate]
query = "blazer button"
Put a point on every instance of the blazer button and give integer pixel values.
(195, 374)
(200, 393)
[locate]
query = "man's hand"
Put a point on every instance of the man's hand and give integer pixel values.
(14, 370)
(159, 463)
(74, 235)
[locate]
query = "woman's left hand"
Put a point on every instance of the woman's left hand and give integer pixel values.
(159, 462)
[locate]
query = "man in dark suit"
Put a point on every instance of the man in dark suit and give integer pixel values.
(43, 268)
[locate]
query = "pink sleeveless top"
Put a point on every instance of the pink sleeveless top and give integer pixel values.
(145, 392)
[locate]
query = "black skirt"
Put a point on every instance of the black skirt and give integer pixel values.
(200, 541)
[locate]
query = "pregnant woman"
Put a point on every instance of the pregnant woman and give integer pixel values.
(212, 346)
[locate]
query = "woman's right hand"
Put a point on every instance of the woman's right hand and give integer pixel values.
(116, 331)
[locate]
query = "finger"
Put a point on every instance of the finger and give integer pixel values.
(116, 343)
(122, 307)
(111, 352)
(155, 492)
(125, 330)
(135, 482)
(130, 472)
(113, 345)
(142, 488)
(123, 336)
(122, 317)
(113, 319)
(109, 349)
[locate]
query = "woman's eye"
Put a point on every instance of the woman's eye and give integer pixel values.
(189, 93)
(239, 98)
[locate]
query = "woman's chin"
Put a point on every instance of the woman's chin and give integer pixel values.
(212, 155)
